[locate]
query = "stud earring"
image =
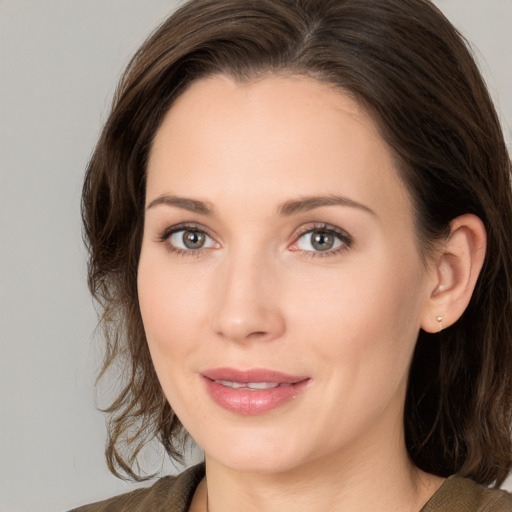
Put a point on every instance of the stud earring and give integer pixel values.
(440, 322)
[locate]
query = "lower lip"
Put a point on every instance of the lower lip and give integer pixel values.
(253, 402)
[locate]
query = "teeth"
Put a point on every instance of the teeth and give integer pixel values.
(230, 384)
(248, 385)
(262, 385)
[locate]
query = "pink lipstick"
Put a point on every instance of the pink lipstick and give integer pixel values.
(252, 392)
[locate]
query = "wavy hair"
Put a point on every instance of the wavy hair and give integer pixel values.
(414, 73)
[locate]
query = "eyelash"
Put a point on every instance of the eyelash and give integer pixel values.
(345, 239)
(166, 235)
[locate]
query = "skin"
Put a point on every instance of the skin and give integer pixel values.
(259, 295)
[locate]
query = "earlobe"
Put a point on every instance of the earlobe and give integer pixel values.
(457, 266)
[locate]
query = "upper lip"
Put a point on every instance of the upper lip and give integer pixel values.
(252, 375)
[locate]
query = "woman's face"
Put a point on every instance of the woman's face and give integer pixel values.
(280, 282)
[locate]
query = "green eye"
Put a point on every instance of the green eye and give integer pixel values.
(191, 240)
(322, 240)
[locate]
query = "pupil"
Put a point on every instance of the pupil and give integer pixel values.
(322, 241)
(193, 239)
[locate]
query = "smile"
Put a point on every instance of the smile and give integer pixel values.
(252, 392)
(250, 385)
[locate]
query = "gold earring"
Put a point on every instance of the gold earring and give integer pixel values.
(440, 322)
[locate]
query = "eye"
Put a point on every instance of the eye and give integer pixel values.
(322, 239)
(190, 239)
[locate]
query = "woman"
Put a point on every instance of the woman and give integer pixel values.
(298, 215)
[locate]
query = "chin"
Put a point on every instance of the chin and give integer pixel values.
(260, 463)
(256, 453)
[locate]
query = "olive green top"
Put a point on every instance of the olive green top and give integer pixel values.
(174, 494)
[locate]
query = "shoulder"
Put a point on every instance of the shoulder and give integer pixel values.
(458, 494)
(169, 494)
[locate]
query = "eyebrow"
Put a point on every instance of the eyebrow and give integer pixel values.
(308, 203)
(288, 208)
(192, 205)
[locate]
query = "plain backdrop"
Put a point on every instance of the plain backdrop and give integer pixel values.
(59, 63)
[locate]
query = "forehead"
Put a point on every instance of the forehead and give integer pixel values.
(295, 107)
(269, 139)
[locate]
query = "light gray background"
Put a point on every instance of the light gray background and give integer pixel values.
(59, 63)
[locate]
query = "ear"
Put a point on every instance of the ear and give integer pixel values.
(454, 273)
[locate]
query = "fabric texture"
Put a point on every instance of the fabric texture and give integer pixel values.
(174, 494)
(168, 494)
(459, 494)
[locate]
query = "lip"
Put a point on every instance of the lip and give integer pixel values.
(251, 402)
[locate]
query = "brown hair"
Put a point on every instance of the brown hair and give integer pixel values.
(413, 72)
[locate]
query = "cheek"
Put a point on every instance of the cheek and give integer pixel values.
(172, 305)
(365, 319)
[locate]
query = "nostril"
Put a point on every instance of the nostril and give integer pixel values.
(246, 318)
(259, 334)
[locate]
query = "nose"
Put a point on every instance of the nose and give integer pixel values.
(246, 305)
